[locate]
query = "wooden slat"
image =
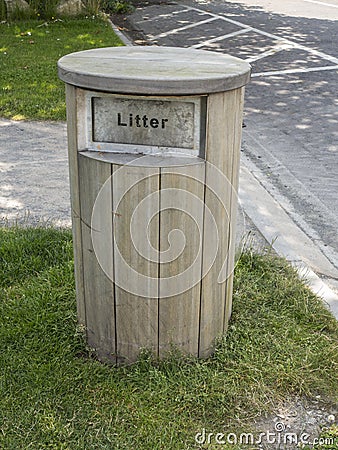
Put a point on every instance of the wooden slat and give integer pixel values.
(238, 119)
(221, 136)
(82, 121)
(71, 95)
(179, 314)
(99, 288)
(136, 292)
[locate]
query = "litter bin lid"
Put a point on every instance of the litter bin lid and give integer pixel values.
(154, 70)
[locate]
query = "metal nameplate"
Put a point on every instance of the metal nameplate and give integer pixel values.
(148, 125)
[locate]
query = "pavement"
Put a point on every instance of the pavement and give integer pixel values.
(288, 179)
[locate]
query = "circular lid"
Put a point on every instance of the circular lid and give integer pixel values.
(153, 70)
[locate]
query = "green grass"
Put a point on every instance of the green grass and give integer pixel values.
(54, 395)
(29, 51)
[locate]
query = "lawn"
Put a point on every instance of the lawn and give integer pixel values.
(29, 51)
(55, 394)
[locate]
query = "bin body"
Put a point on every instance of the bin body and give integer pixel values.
(154, 146)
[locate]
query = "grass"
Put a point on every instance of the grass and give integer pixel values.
(55, 395)
(29, 51)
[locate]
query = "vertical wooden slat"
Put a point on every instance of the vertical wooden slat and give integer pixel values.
(179, 314)
(98, 287)
(234, 178)
(221, 135)
(71, 100)
(136, 292)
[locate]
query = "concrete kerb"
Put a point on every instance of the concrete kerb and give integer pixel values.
(121, 35)
(284, 236)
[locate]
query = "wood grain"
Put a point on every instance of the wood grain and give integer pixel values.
(71, 100)
(234, 178)
(179, 314)
(98, 287)
(136, 314)
(221, 145)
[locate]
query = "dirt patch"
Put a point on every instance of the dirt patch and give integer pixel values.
(295, 423)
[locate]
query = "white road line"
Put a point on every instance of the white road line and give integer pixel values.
(186, 27)
(291, 71)
(272, 51)
(161, 16)
(242, 25)
(321, 3)
(221, 38)
(313, 52)
(272, 36)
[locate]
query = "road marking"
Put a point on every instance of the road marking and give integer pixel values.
(272, 51)
(291, 71)
(321, 3)
(186, 27)
(154, 18)
(245, 28)
(271, 36)
(221, 38)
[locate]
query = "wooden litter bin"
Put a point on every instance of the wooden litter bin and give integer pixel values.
(154, 145)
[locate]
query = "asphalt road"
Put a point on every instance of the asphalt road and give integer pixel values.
(312, 9)
(290, 139)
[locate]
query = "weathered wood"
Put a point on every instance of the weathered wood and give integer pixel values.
(71, 99)
(139, 160)
(222, 131)
(97, 259)
(154, 70)
(182, 200)
(136, 271)
(234, 178)
(82, 119)
(136, 287)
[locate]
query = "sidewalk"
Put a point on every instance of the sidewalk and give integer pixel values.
(34, 173)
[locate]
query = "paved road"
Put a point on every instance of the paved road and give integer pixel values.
(290, 139)
(312, 9)
(34, 173)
